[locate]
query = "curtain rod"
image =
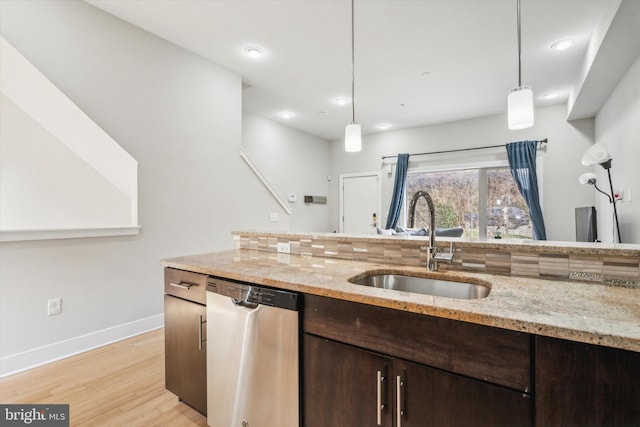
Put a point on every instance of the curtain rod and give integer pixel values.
(542, 141)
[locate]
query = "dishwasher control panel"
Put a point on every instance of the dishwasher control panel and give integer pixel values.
(248, 293)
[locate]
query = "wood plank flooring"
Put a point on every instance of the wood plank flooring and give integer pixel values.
(121, 384)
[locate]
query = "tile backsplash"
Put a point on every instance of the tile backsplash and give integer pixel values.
(590, 263)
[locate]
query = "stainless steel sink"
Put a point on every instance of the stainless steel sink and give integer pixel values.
(423, 285)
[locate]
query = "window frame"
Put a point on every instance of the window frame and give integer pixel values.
(482, 167)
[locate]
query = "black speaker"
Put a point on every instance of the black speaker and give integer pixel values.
(586, 224)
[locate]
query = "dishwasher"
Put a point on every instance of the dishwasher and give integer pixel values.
(252, 355)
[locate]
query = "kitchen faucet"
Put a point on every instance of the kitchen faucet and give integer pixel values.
(433, 256)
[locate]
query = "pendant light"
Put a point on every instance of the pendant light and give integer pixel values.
(352, 133)
(520, 99)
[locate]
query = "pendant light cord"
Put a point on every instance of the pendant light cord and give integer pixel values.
(519, 49)
(353, 67)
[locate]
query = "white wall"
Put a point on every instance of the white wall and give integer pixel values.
(44, 184)
(58, 169)
(617, 125)
(561, 192)
(294, 163)
(180, 117)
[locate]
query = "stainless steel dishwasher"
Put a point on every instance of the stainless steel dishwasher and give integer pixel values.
(252, 355)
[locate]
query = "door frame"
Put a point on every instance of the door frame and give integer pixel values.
(359, 175)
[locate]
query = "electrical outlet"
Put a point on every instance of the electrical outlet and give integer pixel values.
(617, 195)
(284, 247)
(54, 306)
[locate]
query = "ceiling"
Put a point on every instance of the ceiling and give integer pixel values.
(417, 62)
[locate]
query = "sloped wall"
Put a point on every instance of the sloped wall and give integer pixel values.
(58, 169)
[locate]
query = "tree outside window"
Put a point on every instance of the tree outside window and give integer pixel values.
(457, 199)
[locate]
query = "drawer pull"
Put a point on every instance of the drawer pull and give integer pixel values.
(182, 285)
(200, 334)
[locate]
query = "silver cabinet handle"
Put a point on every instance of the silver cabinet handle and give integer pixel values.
(200, 339)
(399, 411)
(379, 403)
(181, 285)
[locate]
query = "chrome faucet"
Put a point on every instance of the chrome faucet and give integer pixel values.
(433, 256)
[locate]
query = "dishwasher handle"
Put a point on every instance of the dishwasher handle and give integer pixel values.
(245, 304)
(251, 296)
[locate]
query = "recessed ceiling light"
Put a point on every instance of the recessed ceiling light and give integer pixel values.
(253, 52)
(341, 100)
(549, 95)
(286, 114)
(383, 126)
(561, 45)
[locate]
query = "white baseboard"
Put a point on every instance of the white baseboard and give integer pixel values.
(19, 362)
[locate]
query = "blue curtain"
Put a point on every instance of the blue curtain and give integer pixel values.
(398, 191)
(522, 161)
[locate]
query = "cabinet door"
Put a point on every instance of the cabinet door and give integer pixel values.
(343, 385)
(586, 385)
(430, 397)
(488, 354)
(185, 353)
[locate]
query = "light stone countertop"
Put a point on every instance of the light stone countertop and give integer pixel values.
(576, 311)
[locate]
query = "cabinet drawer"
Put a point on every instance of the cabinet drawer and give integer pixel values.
(186, 285)
(494, 355)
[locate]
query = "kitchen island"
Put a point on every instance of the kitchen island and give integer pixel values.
(576, 311)
(533, 352)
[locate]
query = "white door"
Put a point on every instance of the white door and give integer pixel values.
(360, 203)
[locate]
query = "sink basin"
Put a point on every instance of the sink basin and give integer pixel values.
(423, 285)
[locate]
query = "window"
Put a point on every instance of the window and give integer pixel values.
(507, 212)
(482, 201)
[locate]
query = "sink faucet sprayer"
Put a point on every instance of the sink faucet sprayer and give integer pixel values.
(433, 256)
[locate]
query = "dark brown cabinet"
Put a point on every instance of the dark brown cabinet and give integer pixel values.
(370, 366)
(185, 346)
(431, 397)
(489, 354)
(344, 385)
(586, 385)
(349, 386)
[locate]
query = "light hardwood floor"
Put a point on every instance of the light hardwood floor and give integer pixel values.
(121, 384)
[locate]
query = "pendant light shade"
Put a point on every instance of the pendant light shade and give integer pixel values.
(520, 108)
(520, 99)
(353, 133)
(352, 137)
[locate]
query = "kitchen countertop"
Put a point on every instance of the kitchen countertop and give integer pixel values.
(576, 311)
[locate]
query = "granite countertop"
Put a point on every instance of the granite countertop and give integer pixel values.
(576, 311)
